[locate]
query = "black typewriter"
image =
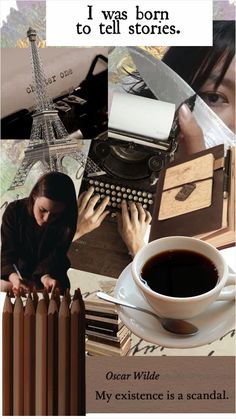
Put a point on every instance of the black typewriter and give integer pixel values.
(137, 148)
(125, 171)
(142, 139)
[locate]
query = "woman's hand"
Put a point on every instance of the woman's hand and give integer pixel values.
(132, 225)
(17, 284)
(191, 137)
(5, 286)
(89, 217)
(48, 282)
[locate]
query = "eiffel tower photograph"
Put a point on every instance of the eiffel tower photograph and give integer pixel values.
(49, 140)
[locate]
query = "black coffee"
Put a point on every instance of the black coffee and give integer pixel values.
(180, 273)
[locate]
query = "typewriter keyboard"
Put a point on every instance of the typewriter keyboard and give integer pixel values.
(117, 193)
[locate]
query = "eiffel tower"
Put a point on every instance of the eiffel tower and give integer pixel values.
(49, 139)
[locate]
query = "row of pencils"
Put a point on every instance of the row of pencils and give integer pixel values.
(43, 354)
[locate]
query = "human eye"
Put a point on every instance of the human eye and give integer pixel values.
(42, 210)
(214, 99)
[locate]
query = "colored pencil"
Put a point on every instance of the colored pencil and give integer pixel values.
(7, 357)
(41, 360)
(18, 358)
(29, 358)
(52, 359)
(64, 359)
(77, 373)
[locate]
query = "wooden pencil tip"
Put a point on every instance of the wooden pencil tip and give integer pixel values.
(45, 294)
(64, 308)
(56, 292)
(29, 295)
(76, 294)
(52, 308)
(10, 293)
(56, 296)
(67, 295)
(18, 306)
(75, 306)
(78, 291)
(29, 307)
(8, 307)
(17, 293)
(22, 292)
(80, 297)
(35, 294)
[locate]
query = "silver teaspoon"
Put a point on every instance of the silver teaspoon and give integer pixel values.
(179, 327)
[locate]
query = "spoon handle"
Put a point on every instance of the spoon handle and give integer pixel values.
(179, 327)
(114, 300)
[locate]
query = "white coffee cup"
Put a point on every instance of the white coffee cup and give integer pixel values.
(187, 307)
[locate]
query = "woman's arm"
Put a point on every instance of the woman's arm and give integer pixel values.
(9, 236)
(9, 250)
(55, 262)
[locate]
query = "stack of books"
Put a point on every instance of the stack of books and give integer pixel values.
(106, 334)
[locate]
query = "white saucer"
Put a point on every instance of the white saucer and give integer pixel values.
(213, 324)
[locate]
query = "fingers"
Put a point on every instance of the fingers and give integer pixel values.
(54, 286)
(102, 217)
(191, 131)
(141, 213)
(5, 286)
(80, 198)
(84, 198)
(15, 290)
(92, 202)
(148, 218)
(119, 222)
(20, 290)
(124, 220)
(144, 215)
(124, 210)
(100, 209)
(135, 213)
(49, 284)
(88, 201)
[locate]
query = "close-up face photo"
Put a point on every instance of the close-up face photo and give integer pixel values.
(220, 97)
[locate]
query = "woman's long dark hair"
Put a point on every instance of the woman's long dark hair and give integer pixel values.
(57, 187)
(195, 64)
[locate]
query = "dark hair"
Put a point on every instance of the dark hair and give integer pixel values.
(59, 188)
(195, 64)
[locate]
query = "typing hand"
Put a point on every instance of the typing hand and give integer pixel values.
(89, 217)
(132, 225)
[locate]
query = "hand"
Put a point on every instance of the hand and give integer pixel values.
(5, 286)
(48, 282)
(17, 284)
(132, 225)
(191, 135)
(90, 218)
